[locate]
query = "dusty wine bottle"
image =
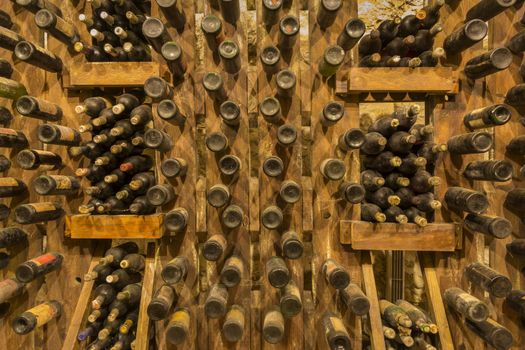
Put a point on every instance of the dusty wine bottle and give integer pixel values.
(133, 262)
(462, 199)
(58, 135)
(176, 220)
(9, 39)
(232, 216)
(331, 61)
(232, 271)
(372, 213)
(277, 272)
(488, 63)
(216, 301)
(493, 333)
(466, 304)
(493, 226)
(352, 192)
(332, 112)
(218, 195)
(332, 169)
(394, 315)
(465, 36)
(384, 197)
(12, 138)
(10, 288)
(489, 170)
(474, 142)
(374, 143)
(415, 216)
(395, 214)
(11, 236)
(174, 167)
(336, 334)
(214, 247)
(335, 274)
(515, 299)
(285, 81)
(230, 113)
(114, 255)
(273, 326)
(39, 266)
(168, 110)
(129, 323)
(5, 20)
(496, 284)
(230, 55)
(173, 54)
(214, 86)
(291, 245)
(161, 303)
(353, 30)
(38, 56)
(233, 325)
(175, 271)
(494, 115)
(401, 142)
(395, 181)
(229, 165)
(36, 317)
(351, 139)
(230, 10)
(5, 115)
(211, 26)
(516, 44)
(385, 126)
(423, 182)
(158, 89)
(270, 109)
(160, 194)
(158, 140)
(56, 185)
(516, 146)
(272, 217)
(273, 166)
(288, 32)
(327, 12)
(270, 11)
(33, 107)
(216, 141)
(270, 58)
(431, 58)
(172, 13)
(290, 192)
(355, 299)
(99, 273)
(121, 278)
(130, 294)
(57, 27)
(426, 202)
(517, 246)
(155, 32)
(33, 213)
(487, 9)
(400, 46)
(125, 103)
(11, 187)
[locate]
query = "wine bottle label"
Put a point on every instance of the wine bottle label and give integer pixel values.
(66, 134)
(44, 153)
(44, 259)
(43, 313)
(63, 182)
(47, 107)
(337, 325)
(5, 131)
(43, 207)
(8, 181)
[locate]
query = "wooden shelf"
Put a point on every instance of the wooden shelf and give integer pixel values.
(114, 226)
(440, 237)
(110, 74)
(438, 80)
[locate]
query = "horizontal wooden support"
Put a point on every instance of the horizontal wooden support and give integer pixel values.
(110, 74)
(114, 226)
(437, 80)
(362, 235)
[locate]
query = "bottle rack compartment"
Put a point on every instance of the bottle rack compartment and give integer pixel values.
(114, 226)
(110, 74)
(433, 80)
(362, 235)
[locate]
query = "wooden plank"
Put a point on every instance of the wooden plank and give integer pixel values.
(114, 226)
(143, 322)
(436, 306)
(429, 80)
(374, 315)
(110, 74)
(364, 235)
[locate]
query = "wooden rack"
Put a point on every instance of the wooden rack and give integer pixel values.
(114, 226)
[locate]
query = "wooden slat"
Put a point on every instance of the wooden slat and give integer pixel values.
(437, 308)
(364, 235)
(431, 80)
(142, 337)
(110, 74)
(374, 315)
(114, 226)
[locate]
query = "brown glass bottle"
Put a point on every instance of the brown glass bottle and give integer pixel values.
(39, 266)
(496, 284)
(426, 202)
(396, 181)
(130, 294)
(476, 142)
(133, 262)
(161, 303)
(36, 317)
(466, 304)
(489, 225)
(423, 182)
(462, 199)
(401, 142)
(415, 216)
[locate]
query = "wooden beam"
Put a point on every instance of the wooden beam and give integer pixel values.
(114, 226)
(110, 74)
(142, 337)
(374, 315)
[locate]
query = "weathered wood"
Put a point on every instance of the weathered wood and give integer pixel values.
(87, 75)
(364, 235)
(114, 226)
(374, 315)
(143, 322)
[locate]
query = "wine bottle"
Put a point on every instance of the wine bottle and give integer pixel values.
(158, 140)
(401, 142)
(386, 126)
(129, 323)
(5, 163)
(57, 27)
(385, 162)
(332, 169)
(423, 182)
(12, 138)
(486, 117)
(487, 9)
(372, 180)
(461, 199)
(176, 220)
(155, 32)
(125, 103)
(353, 30)
(405, 195)
(465, 304)
(38, 56)
(430, 58)
(5, 115)
(91, 53)
(372, 213)
(489, 225)
(421, 132)
(517, 246)
(373, 60)
(125, 148)
(277, 272)
(216, 301)
(515, 95)
(396, 181)
(9, 39)
(335, 332)
(270, 58)
(58, 135)
(327, 12)
(99, 273)
(161, 303)
(370, 43)
(355, 299)
(515, 299)
(388, 29)
(11, 187)
(31, 159)
(229, 53)
(101, 190)
(33, 213)
(432, 16)
(233, 325)
(400, 46)
(117, 309)
(514, 200)
(158, 89)
(121, 278)
(97, 315)
(418, 317)
(396, 214)
(141, 206)
(290, 192)
(415, 216)
(496, 284)
(474, 142)
(407, 117)
(383, 197)
(489, 170)
(232, 216)
(493, 333)
(352, 192)
(33, 107)
(270, 109)
(5, 20)
(174, 57)
(229, 165)
(272, 217)
(56, 185)
(124, 129)
(10, 288)
(430, 151)
(424, 38)
(160, 194)
(516, 146)
(114, 255)
(90, 207)
(394, 315)
(230, 113)
(176, 270)
(374, 143)
(39, 266)
(216, 141)
(335, 274)
(426, 202)
(351, 139)
(94, 173)
(331, 61)
(214, 247)
(211, 26)
(11, 236)
(285, 81)
(465, 36)
(36, 317)
(105, 335)
(488, 63)
(130, 294)
(232, 271)
(133, 262)
(178, 327)
(273, 326)
(214, 86)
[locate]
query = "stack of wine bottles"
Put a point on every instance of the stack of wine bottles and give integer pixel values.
(25, 273)
(406, 326)
(398, 160)
(112, 321)
(404, 42)
(119, 171)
